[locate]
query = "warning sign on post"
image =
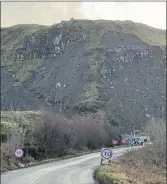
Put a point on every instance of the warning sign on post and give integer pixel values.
(106, 153)
(19, 153)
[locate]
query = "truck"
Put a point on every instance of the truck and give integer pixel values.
(138, 141)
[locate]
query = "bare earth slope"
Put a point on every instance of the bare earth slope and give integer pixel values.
(81, 66)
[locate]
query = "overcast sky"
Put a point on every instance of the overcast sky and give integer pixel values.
(48, 13)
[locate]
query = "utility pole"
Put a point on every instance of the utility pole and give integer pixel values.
(133, 130)
(131, 138)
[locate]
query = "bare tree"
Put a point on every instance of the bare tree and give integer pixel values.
(156, 129)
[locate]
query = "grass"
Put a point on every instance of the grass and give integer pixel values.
(91, 93)
(21, 70)
(94, 57)
(89, 99)
(17, 118)
(14, 37)
(112, 174)
(28, 114)
(132, 168)
(14, 121)
(147, 34)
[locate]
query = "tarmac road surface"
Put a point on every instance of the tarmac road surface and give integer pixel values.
(76, 170)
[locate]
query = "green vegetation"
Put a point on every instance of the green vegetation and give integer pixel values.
(13, 37)
(131, 169)
(20, 70)
(112, 174)
(143, 166)
(144, 32)
(17, 120)
(148, 34)
(91, 94)
(9, 117)
(89, 99)
(37, 131)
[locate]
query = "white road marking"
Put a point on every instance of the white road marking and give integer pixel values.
(45, 171)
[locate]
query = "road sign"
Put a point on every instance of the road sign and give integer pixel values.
(19, 153)
(115, 142)
(106, 153)
(124, 141)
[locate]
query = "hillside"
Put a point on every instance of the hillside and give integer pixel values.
(82, 66)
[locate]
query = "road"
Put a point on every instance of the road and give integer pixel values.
(76, 170)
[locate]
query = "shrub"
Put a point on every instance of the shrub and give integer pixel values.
(3, 136)
(55, 135)
(156, 129)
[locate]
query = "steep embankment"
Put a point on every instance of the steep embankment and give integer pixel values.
(82, 66)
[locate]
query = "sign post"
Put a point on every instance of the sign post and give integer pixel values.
(106, 154)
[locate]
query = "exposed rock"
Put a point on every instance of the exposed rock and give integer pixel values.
(83, 67)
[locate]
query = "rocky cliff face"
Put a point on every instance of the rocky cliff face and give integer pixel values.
(82, 66)
(52, 41)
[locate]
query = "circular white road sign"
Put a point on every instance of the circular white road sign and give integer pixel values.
(19, 153)
(106, 153)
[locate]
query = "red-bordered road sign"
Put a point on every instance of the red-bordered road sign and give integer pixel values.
(19, 153)
(115, 142)
(106, 153)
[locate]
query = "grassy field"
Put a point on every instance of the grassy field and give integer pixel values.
(18, 118)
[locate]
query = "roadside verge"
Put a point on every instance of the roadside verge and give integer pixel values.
(134, 167)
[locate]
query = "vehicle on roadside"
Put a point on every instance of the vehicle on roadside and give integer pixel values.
(138, 141)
